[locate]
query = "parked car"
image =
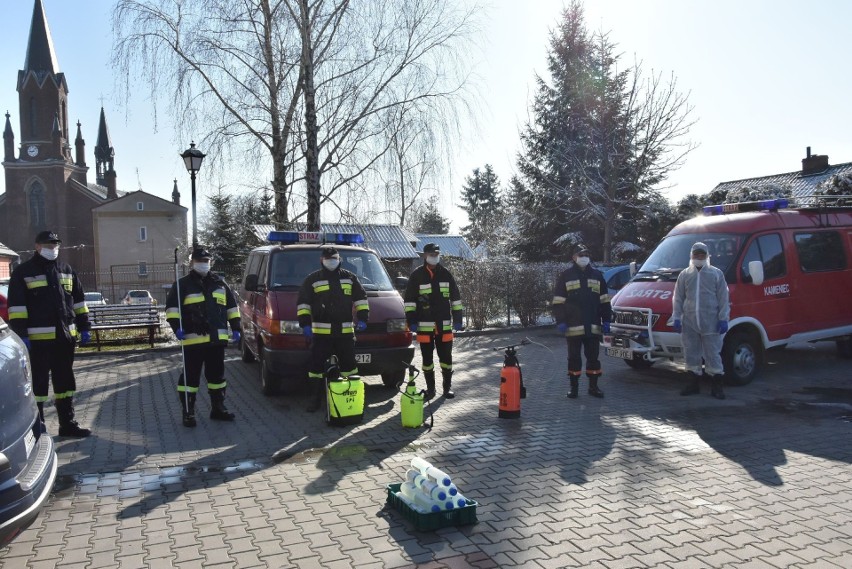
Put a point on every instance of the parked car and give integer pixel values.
(138, 297)
(616, 277)
(4, 302)
(95, 299)
(27, 456)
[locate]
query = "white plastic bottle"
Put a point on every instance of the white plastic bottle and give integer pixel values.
(430, 471)
(415, 477)
(433, 490)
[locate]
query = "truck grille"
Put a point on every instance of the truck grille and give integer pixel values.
(634, 318)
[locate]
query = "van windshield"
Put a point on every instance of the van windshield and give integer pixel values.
(289, 268)
(672, 255)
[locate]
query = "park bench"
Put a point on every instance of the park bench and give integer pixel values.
(124, 317)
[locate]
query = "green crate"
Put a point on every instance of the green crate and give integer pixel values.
(433, 520)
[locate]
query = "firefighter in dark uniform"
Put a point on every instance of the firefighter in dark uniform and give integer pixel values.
(200, 319)
(48, 311)
(583, 312)
(433, 309)
(324, 309)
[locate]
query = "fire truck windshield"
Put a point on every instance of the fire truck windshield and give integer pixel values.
(672, 255)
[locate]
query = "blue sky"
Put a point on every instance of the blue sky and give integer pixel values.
(766, 78)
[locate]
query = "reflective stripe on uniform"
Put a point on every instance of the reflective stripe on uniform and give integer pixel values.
(16, 312)
(215, 386)
(448, 367)
(572, 285)
(172, 312)
(444, 288)
(223, 334)
(186, 388)
(303, 310)
(42, 333)
(604, 298)
(193, 339)
(410, 306)
(457, 305)
(193, 298)
(576, 330)
(362, 305)
(314, 375)
(558, 300)
(64, 395)
(36, 281)
(232, 313)
(346, 286)
(219, 296)
(429, 367)
(322, 328)
(321, 286)
(81, 308)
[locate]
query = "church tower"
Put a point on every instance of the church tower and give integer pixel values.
(46, 185)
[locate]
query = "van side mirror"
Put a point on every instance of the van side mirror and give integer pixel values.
(400, 283)
(633, 269)
(251, 283)
(755, 269)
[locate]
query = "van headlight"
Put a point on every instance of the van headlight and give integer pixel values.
(397, 325)
(289, 327)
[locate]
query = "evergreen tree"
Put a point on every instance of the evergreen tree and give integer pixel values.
(427, 218)
(482, 203)
(219, 234)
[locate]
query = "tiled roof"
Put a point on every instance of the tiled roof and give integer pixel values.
(6, 251)
(800, 184)
(451, 245)
(389, 241)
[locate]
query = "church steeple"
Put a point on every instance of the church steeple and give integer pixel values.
(80, 145)
(9, 142)
(40, 54)
(104, 152)
(175, 194)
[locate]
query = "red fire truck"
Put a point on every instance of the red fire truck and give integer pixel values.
(789, 273)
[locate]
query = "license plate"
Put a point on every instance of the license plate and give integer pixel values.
(29, 442)
(623, 353)
(363, 358)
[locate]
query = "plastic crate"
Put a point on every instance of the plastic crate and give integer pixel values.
(432, 520)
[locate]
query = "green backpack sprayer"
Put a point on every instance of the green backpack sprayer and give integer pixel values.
(345, 396)
(411, 401)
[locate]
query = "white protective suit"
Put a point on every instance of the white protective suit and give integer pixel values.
(700, 302)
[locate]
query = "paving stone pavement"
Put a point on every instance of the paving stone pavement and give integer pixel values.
(642, 478)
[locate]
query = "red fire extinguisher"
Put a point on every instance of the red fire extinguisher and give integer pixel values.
(512, 388)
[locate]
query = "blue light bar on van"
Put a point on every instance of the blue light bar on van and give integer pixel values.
(292, 237)
(763, 205)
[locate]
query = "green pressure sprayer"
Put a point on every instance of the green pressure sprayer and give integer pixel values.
(411, 401)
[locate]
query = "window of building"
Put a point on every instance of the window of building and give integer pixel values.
(143, 268)
(820, 251)
(140, 206)
(36, 206)
(769, 250)
(143, 234)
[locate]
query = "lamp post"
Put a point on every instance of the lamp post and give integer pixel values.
(193, 157)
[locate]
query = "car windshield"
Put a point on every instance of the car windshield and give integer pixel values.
(93, 296)
(290, 267)
(672, 255)
(138, 294)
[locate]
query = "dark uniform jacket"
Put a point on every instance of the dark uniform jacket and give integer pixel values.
(326, 300)
(432, 300)
(207, 306)
(581, 300)
(46, 301)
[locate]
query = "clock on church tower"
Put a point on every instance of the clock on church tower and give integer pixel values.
(32, 150)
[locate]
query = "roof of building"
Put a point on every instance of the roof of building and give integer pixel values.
(389, 241)
(6, 251)
(451, 245)
(800, 184)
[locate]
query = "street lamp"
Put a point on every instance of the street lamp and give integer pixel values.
(193, 157)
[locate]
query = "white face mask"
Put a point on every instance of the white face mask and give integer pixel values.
(433, 259)
(699, 262)
(582, 262)
(201, 268)
(331, 264)
(49, 254)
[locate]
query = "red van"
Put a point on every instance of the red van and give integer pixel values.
(271, 332)
(789, 273)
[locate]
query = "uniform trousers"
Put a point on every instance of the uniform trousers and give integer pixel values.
(590, 346)
(211, 358)
(53, 359)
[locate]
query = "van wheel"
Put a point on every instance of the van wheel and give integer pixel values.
(844, 348)
(246, 354)
(638, 362)
(269, 384)
(741, 358)
(393, 378)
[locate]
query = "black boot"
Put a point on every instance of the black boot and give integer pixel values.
(693, 386)
(187, 408)
(593, 386)
(429, 376)
(68, 427)
(448, 383)
(317, 395)
(575, 386)
(716, 387)
(218, 411)
(42, 426)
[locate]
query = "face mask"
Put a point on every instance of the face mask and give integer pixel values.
(201, 268)
(698, 262)
(49, 254)
(433, 260)
(331, 264)
(582, 262)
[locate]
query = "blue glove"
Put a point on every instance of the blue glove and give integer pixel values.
(236, 336)
(562, 327)
(27, 343)
(360, 326)
(180, 334)
(723, 326)
(457, 326)
(605, 327)
(678, 327)
(308, 332)
(413, 327)
(85, 337)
